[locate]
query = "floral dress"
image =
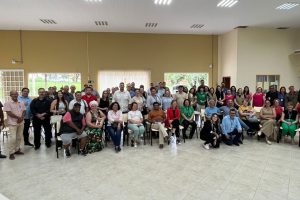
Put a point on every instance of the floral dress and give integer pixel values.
(95, 136)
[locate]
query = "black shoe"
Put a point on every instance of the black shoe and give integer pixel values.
(116, 149)
(161, 146)
(48, 145)
(119, 148)
(240, 141)
(236, 144)
(2, 156)
(28, 144)
(82, 152)
(36, 147)
(67, 152)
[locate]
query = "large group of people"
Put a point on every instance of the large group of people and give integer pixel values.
(95, 119)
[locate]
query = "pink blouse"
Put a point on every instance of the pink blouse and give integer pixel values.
(112, 116)
(258, 100)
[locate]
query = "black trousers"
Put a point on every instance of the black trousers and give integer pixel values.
(209, 139)
(175, 124)
(37, 126)
(186, 124)
(26, 130)
(254, 126)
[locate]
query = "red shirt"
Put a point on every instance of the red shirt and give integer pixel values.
(170, 116)
(258, 100)
(89, 99)
(278, 111)
(228, 97)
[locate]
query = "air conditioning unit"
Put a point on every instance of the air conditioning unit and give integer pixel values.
(297, 51)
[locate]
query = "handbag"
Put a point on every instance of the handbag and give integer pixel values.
(55, 119)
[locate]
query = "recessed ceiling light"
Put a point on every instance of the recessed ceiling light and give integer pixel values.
(101, 23)
(163, 2)
(287, 6)
(48, 21)
(93, 1)
(227, 3)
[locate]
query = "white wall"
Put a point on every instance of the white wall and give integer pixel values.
(267, 52)
(227, 56)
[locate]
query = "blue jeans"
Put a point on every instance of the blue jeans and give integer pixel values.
(115, 134)
(234, 137)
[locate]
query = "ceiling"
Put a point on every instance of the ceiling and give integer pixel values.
(132, 15)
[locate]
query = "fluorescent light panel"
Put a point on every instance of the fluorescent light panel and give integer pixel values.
(227, 3)
(93, 1)
(287, 6)
(162, 2)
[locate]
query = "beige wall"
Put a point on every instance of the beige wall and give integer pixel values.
(268, 52)
(228, 53)
(67, 52)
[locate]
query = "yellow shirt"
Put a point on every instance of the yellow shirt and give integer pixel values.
(245, 109)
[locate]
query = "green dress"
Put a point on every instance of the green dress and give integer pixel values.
(95, 138)
(201, 98)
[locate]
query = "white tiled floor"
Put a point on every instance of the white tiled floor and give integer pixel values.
(252, 171)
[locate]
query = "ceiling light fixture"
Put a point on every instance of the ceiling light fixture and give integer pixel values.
(93, 1)
(227, 3)
(287, 6)
(162, 2)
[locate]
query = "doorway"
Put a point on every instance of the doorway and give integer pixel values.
(227, 81)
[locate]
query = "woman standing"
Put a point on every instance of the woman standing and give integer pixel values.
(220, 96)
(238, 101)
(59, 106)
(115, 124)
(104, 102)
(138, 98)
(229, 96)
(94, 120)
(172, 121)
(211, 132)
(135, 123)
(201, 98)
(166, 100)
(247, 94)
(258, 98)
(233, 90)
(212, 95)
(289, 121)
(187, 118)
(267, 116)
(282, 96)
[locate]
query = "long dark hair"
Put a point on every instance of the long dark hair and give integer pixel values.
(246, 92)
(62, 99)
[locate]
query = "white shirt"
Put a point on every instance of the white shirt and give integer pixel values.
(82, 107)
(123, 98)
(135, 115)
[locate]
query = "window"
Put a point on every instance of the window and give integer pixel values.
(265, 81)
(109, 79)
(45, 80)
(10, 80)
(173, 80)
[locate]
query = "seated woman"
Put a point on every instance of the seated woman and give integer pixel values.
(211, 132)
(238, 101)
(278, 109)
(172, 121)
(228, 97)
(115, 124)
(73, 126)
(248, 116)
(94, 119)
(289, 121)
(59, 106)
(187, 118)
(135, 123)
(268, 122)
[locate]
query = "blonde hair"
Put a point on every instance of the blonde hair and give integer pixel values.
(93, 103)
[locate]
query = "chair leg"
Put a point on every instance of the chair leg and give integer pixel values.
(151, 137)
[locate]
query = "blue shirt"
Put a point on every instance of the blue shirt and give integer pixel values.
(166, 102)
(228, 124)
(161, 92)
(209, 111)
(226, 110)
(27, 102)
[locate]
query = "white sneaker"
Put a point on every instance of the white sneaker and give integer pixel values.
(206, 146)
(259, 133)
(135, 144)
(268, 142)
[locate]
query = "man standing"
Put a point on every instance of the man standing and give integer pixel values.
(40, 109)
(232, 129)
(292, 96)
(27, 101)
(73, 90)
(15, 119)
(123, 98)
(180, 96)
(1, 125)
(88, 97)
(152, 98)
(67, 95)
(272, 94)
(78, 99)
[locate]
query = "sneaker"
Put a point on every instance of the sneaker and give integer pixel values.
(135, 145)
(67, 153)
(11, 157)
(205, 146)
(259, 133)
(268, 142)
(161, 146)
